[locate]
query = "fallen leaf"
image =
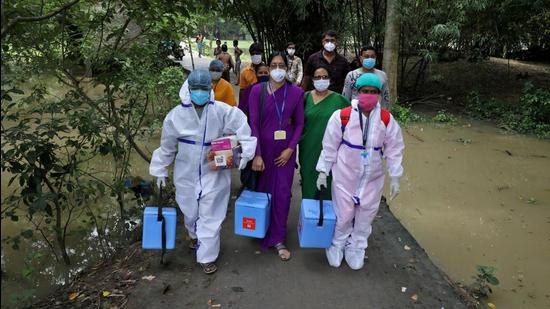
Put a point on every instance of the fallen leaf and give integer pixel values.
(257, 252)
(73, 295)
(106, 293)
(148, 278)
(166, 289)
(216, 306)
(414, 297)
(407, 248)
(491, 305)
(403, 289)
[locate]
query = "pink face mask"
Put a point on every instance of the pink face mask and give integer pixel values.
(367, 101)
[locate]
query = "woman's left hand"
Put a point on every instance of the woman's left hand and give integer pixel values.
(284, 157)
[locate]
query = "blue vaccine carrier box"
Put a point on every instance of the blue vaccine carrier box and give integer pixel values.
(252, 212)
(310, 233)
(152, 228)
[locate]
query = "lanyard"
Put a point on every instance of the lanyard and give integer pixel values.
(364, 133)
(282, 110)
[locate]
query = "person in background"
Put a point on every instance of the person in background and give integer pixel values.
(238, 52)
(320, 104)
(295, 70)
(262, 75)
(367, 57)
(356, 142)
(200, 40)
(329, 57)
(218, 49)
(227, 60)
(278, 134)
(202, 194)
(247, 77)
(222, 90)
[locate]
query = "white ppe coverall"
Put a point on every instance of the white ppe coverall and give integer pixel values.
(202, 194)
(357, 183)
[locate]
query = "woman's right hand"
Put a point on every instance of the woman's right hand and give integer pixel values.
(258, 164)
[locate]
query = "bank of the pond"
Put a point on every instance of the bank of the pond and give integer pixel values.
(475, 195)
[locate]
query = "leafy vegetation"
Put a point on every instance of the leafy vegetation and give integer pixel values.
(530, 115)
(483, 280)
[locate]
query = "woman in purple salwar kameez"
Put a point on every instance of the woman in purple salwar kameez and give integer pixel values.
(278, 134)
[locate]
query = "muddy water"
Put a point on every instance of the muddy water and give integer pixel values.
(474, 196)
(83, 243)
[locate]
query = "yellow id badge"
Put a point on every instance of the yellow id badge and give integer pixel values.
(280, 135)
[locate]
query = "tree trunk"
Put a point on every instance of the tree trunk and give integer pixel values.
(391, 48)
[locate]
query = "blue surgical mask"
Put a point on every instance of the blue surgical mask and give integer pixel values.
(200, 97)
(369, 63)
(263, 79)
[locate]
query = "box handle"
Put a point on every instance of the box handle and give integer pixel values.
(320, 197)
(160, 217)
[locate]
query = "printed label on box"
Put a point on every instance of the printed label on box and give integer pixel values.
(249, 223)
(220, 160)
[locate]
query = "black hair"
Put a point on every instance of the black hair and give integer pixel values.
(224, 48)
(365, 48)
(275, 54)
(218, 41)
(255, 47)
(322, 66)
(235, 42)
(259, 65)
(331, 33)
(289, 43)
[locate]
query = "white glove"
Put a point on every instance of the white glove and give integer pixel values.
(243, 164)
(394, 188)
(321, 181)
(161, 182)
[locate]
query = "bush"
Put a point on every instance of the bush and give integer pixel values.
(443, 117)
(403, 114)
(530, 116)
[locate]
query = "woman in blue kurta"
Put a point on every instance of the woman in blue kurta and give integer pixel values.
(278, 134)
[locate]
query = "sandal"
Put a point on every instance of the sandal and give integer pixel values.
(281, 247)
(209, 268)
(193, 244)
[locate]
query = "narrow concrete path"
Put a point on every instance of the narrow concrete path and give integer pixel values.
(397, 274)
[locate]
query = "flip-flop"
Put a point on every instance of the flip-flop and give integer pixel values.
(209, 268)
(279, 247)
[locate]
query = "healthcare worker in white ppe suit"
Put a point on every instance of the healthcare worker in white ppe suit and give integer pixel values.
(201, 193)
(354, 153)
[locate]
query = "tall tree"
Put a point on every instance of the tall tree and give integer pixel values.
(391, 47)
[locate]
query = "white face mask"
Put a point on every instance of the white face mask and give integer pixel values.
(291, 51)
(321, 84)
(256, 59)
(329, 46)
(278, 75)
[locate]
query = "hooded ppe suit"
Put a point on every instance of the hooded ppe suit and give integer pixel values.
(357, 182)
(201, 194)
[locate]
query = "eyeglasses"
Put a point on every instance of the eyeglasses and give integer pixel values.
(325, 77)
(278, 66)
(199, 88)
